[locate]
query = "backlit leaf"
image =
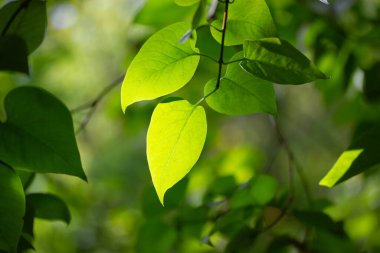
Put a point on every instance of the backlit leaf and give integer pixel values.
(247, 20)
(12, 208)
(186, 2)
(38, 134)
(162, 66)
(29, 24)
(362, 155)
(241, 93)
(276, 60)
(175, 140)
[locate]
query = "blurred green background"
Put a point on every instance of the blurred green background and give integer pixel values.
(90, 43)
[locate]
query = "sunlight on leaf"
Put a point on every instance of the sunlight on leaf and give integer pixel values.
(175, 139)
(162, 66)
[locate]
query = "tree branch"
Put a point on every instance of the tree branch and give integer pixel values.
(91, 106)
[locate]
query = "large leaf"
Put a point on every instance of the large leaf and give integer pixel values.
(276, 60)
(247, 20)
(13, 54)
(175, 140)
(362, 155)
(162, 66)
(186, 2)
(12, 208)
(38, 134)
(29, 23)
(48, 207)
(241, 93)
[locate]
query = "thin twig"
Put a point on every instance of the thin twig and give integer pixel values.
(91, 106)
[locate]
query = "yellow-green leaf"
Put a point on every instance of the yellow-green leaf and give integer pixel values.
(162, 66)
(176, 136)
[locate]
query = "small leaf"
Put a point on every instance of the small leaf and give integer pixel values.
(162, 66)
(362, 155)
(176, 136)
(13, 54)
(186, 2)
(12, 208)
(29, 24)
(241, 93)
(277, 61)
(48, 207)
(247, 20)
(38, 135)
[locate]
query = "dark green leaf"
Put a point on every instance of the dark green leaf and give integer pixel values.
(38, 134)
(13, 54)
(12, 208)
(48, 207)
(276, 60)
(241, 93)
(29, 23)
(371, 83)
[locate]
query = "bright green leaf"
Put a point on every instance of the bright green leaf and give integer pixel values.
(162, 66)
(29, 24)
(38, 134)
(12, 208)
(247, 20)
(186, 2)
(176, 136)
(276, 60)
(13, 54)
(241, 93)
(362, 155)
(48, 207)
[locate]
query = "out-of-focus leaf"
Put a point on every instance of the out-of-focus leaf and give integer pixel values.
(12, 208)
(29, 24)
(13, 54)
(186, 2)
(276, 60)
(371, 83)
(38, 134)
(247, 20)
(155, 236)
(49, 207)
(199, 14)
(240, 92)
(162, 66)
(362, 155)
(175, 139)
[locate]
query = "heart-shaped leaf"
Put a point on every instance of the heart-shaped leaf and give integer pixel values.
(247, 20)
(29, 23)
(12, 208)
(240, 92)
(176, 136)
(38, 134)
(277, 61)
(162, 66)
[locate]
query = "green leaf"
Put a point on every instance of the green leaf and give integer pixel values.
(240, 92)
(276, 60)
(186, 2)
(12, 208)
(49, 207)
(371, 87)
(362, 155)
(162, 66)
(176, 136)
(13, 54)
(247, 20)
(38, 134)
(199, 14)
(29, 24)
